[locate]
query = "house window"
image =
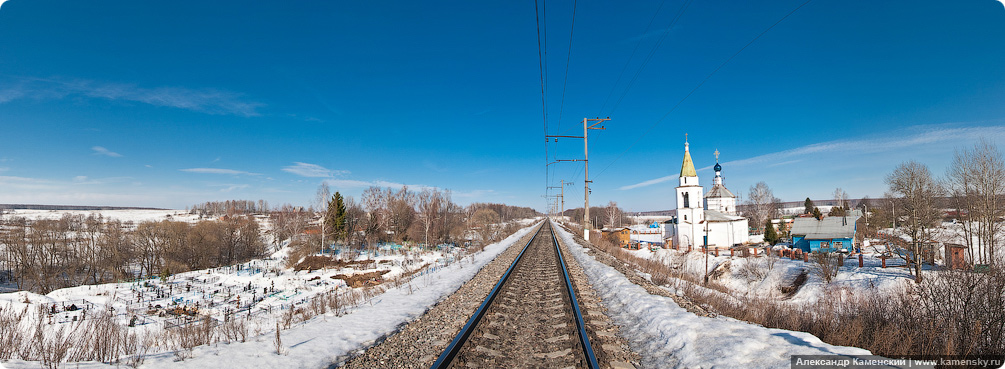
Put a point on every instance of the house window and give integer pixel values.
(687, 201)
(838, 244)
(825, 244)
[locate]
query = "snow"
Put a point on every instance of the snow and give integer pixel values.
(668, 336)
(124, 215)
(317, 342)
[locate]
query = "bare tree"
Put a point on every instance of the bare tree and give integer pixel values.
(762, 204)
(486, 220)
(613, 214)
(915, 191)
(430, 202)
(976, 183)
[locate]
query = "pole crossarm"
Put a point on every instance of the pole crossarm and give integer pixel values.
(555, 136)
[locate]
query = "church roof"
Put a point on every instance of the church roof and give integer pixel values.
(718, 216)
(687, 168)
(719, 190)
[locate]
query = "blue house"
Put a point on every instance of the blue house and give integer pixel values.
(829, 234)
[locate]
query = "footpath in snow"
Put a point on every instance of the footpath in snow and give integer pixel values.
(668, 336)
(324, 340)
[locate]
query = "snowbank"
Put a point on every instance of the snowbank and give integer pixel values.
(668, 336)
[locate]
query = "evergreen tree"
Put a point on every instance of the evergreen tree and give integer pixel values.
(770, 236)
(817, 214)
(335, 227)
(808, 204)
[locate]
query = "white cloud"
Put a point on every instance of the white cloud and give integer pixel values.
(207, 100)
(235, 187)
(80, 179)
(649, 182)
(98, 150)
(313, 170)
(352, 183)
(216, 171)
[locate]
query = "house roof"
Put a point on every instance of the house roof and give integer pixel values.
(719, 190)
(826, 228)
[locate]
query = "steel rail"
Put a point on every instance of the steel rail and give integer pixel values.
(591, 358)
(454, 348)
(448, 355)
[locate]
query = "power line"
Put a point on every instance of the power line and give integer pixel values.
(700, 84)
(544, 103)
(568, 59)
(637, 44)
(631, 83)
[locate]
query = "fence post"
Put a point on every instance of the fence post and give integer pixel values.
(731, 252)
(884, 261)
(861, 263)
(806, 257)
(716, 252)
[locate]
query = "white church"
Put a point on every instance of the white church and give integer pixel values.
(714, 224)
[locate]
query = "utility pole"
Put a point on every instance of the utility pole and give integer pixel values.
(586, 159)
(586, 181)
(561, 196)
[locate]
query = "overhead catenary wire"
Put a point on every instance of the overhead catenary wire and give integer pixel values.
(544, 101)
(653, 126)
(568, 61)
(649, 57)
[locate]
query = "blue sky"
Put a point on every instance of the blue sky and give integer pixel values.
(168, 104)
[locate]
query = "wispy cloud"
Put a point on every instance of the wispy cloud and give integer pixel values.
(432, 166)
(473, 194)
(216, 171)
(313, 170)
(234, 187)
(922, 136)
(98, 150)
(648, 183)
(205, 100)
(85, 180)
(352, 183)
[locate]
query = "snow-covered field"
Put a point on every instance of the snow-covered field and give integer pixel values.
(133, 215)
(668, 336)
(261, 291)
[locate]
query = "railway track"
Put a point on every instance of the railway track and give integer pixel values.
(531, 319)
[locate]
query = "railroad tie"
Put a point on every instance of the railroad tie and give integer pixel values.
(554, 354)
(557, 338)
(488, 351)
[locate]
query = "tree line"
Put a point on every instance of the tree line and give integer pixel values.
(384, 214)
(44, 255)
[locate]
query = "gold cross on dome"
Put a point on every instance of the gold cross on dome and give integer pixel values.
(716, 155)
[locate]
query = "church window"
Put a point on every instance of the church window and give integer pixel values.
(687, 201)
(685, 216)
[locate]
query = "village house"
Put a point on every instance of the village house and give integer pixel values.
(829, 234)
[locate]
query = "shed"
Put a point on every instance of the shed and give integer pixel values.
(621, 236)
(955, 256)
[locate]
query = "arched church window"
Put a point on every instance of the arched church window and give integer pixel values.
(687, 201)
